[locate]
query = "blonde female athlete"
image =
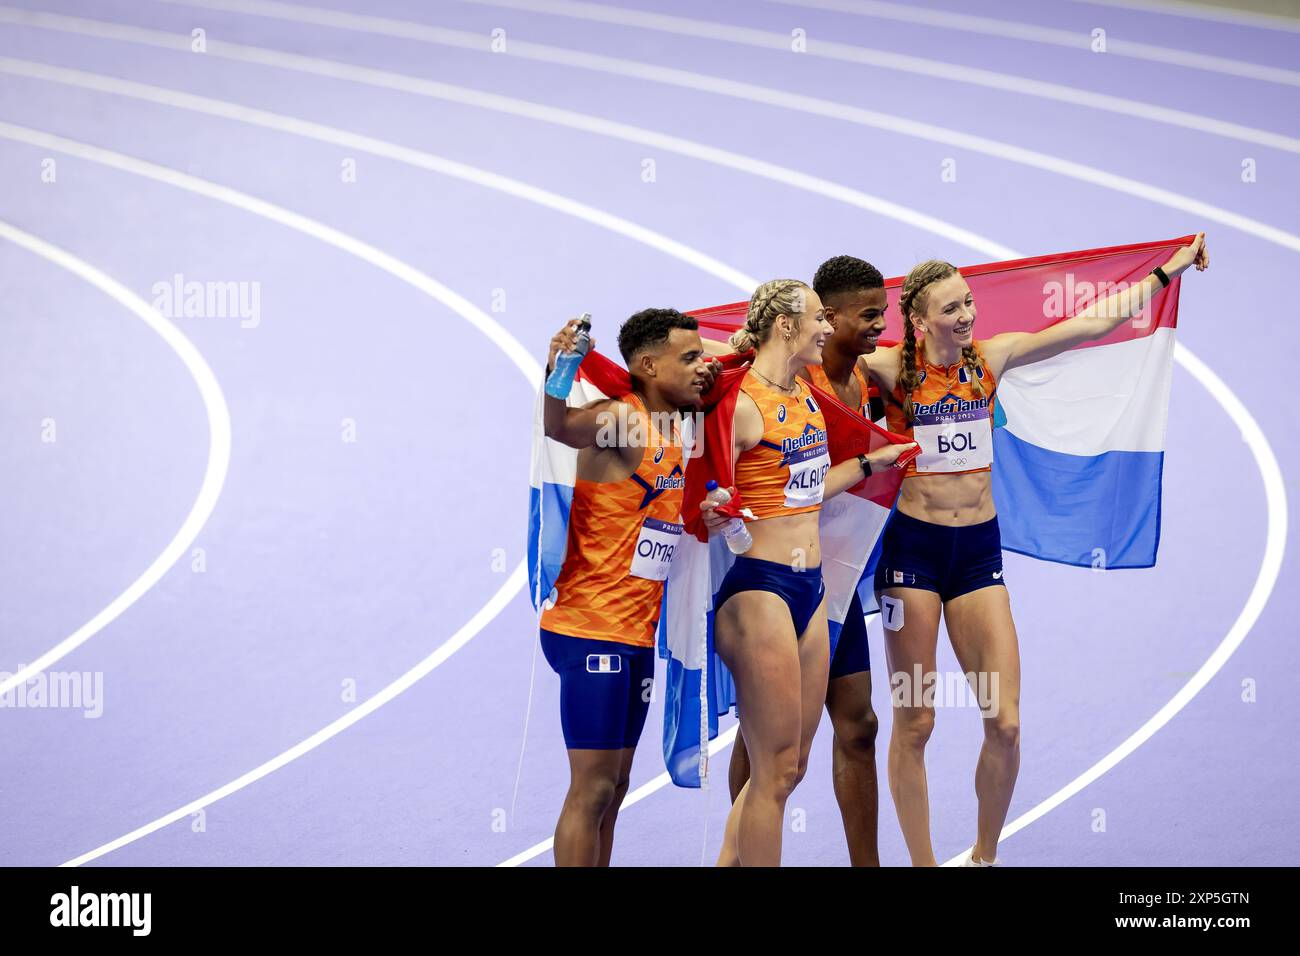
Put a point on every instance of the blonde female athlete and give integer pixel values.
(853, 294)
(941, 552)
(770, 625)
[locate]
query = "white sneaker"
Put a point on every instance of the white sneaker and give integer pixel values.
(971, 861)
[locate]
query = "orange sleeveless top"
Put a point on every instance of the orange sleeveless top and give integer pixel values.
(952, 422)
(817, 375)
(621, 540)
(784, 473)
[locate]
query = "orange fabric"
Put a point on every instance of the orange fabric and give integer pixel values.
(940, 390)
(817, 375)
(598, 593)
(783, 474)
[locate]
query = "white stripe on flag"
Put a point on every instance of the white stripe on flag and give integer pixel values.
(849, 528)
(1090, 401)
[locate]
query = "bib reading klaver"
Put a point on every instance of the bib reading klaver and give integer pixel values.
(785, 473)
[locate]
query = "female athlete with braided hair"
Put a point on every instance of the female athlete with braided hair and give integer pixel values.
(942, 552)
(770, 625)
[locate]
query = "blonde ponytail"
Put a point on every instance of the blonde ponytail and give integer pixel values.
(771, 299)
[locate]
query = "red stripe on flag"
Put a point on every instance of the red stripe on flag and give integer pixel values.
(1026, 295)
(1022, 295)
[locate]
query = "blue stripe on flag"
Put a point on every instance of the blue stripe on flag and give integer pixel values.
(682, 723)
(1062, 508)
(548, 531)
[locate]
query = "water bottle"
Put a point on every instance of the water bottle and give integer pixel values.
(734, 531)
(560, 380)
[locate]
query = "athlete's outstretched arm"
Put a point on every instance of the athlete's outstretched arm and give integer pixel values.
(1013, 349)
(848, 473)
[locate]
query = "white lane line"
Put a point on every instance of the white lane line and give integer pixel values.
(636, 796)
(879, 59)
(495, 333)
(476, 317)
(1053, 36)
(289, 61)
(1183, 356)
(495, 606)
(458, 304)
(502, 104)
(769, 96)
(1265, 580)
(214, 475)
(1270, 567)
(1202, 11)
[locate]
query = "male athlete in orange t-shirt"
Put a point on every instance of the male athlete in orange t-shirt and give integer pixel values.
(598, 632)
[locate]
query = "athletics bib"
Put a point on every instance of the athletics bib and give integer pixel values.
(807, 476)
(954, 440)
(654, 549)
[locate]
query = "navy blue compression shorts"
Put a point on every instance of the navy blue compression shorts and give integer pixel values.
(950, 561)
(605, 690)
(851, 655)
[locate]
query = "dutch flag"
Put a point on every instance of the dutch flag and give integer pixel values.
(1076, 476)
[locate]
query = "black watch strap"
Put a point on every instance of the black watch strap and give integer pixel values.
(1160, 274)
(866, 466)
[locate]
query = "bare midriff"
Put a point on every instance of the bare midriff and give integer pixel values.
(791, 540)
(953, 500)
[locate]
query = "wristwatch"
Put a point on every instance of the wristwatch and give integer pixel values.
(866, 466)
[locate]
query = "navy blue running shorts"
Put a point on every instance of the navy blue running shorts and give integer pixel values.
(801, 590)
(950, 561)
(605, 689)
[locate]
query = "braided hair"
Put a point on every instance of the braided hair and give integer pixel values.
(912, 299)
(773, 298)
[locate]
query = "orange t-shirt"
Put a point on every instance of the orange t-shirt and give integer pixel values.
(784, 473)
(952, 422)
(817, 375)
(621, 540)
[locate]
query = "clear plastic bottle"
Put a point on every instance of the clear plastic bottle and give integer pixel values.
(734, 531)
(560, 381)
